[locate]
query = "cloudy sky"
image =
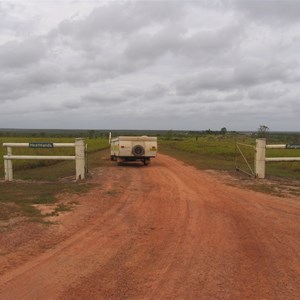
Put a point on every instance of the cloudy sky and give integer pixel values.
(150, 64)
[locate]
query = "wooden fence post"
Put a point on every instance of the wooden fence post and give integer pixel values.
(80, 158)
(260, 158)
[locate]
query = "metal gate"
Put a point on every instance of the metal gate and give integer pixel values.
(245, 158)
(251, 159)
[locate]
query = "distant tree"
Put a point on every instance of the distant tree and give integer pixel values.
(169, 134)
(91, 134)
(223, 130)
(262, 131)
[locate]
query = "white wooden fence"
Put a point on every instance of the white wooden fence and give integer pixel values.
(80, 156)
(261, 159)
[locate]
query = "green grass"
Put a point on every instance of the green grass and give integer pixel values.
(218, 152)
(206, 152)
(18, 199)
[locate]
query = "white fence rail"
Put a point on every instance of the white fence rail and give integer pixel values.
(80, 156)
(40, 145)
(261, 159)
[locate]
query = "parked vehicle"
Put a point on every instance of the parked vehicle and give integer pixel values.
(133, 148)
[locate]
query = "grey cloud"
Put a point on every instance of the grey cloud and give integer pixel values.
(234, 96)
(72, 104)
(210, 79)
(121, 17)
(10, 23)
(248, 73)
(29, 81)
(104, 99)
(10, 94)
(106, 56)
(196, 60)
(99, 31)
(44, 75)
(255, 71)
(211, 41)
(161, 11)
(112, 67)
(49, 107)
(174, 40)
(11, 88)
(275, 11)
(81, 77)
(109, 39)
(267, 92)
(157, 91)
(106, 67)
(21, 54)
(147, 46)
(128, 95)
(133, 92)
(226, 97)
(208, 97)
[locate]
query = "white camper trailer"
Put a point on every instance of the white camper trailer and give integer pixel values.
(133, 148)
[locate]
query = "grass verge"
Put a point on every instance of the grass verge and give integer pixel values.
(205, 154)
(18, 199)
(42, 185)
(219, 153)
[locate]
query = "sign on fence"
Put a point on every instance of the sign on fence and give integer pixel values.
(292, 146)
(40, 145)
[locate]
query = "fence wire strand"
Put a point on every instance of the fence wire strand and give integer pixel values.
(239, 152)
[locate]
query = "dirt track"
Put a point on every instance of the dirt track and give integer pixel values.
(166, 231)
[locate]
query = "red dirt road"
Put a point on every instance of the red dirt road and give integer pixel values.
(166, 231)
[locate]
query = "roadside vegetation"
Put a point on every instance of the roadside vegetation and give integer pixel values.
(20, 201)
(217, 151)
(42, 186)
(40, 182)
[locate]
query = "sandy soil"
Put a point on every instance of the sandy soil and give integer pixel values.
(165, 231)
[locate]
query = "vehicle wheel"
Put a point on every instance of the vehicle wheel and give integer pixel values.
(146, 162)
(138, 150)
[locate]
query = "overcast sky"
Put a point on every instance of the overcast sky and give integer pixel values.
(150, 64)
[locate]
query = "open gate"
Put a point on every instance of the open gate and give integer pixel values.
(251, 159)
(245, 158)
